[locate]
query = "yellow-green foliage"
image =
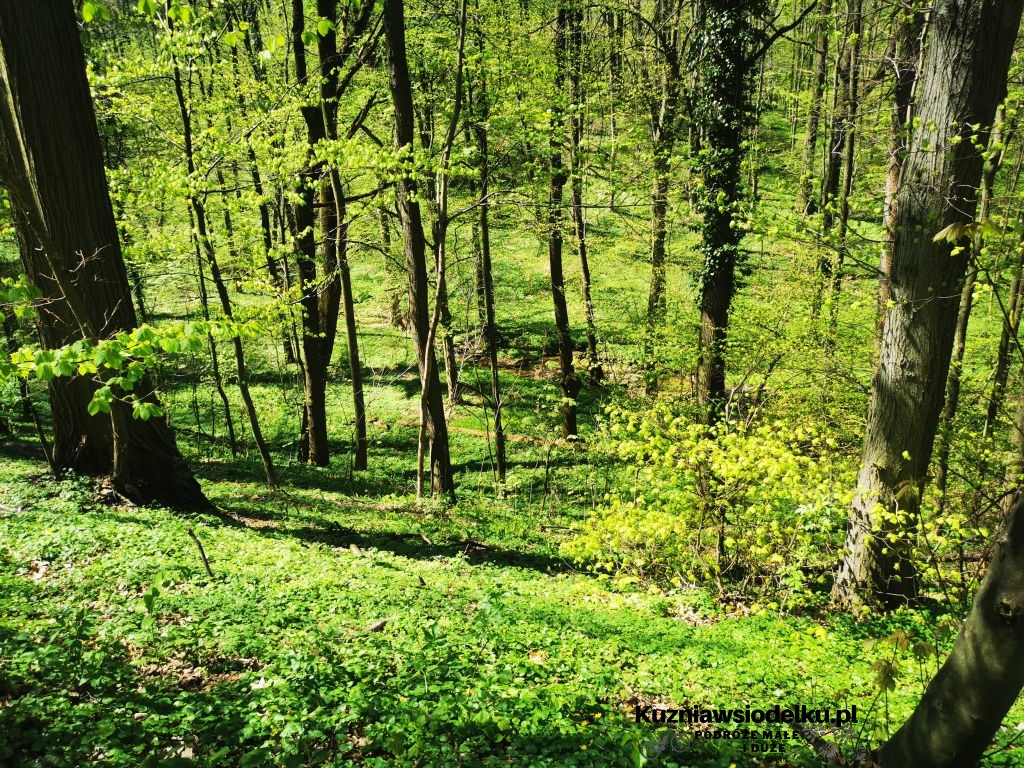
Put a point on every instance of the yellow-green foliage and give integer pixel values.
(761, 505)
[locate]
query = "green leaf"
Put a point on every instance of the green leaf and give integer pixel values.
(101, 400)
(951, 234)
(93, 10)
(145, 411)
(256, 757)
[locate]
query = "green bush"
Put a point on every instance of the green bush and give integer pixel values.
(752, 507)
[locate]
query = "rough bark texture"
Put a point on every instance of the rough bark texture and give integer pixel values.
(442, 479)
(52, 165)
(321, 297)
(963, 81)
(976, 686)
(906, 54)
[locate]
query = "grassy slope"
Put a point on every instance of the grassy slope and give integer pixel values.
(496, 652)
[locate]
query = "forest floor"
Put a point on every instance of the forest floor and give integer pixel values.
(345, 624)
(343, 631)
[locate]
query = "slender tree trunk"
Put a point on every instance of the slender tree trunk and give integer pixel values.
(351, 329)
(577, 97)
(51, 163)
(568, 379)
(218, 379)
(656, 305)
(273, 270)
(432, 404)
(849, 153)
(1011, 324)
(202, 234)
(807, 203)
(993, 162)
(491, 328)
(723, 108)
(963, 81)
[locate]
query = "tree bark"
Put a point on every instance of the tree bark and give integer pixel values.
(202, 234)
(906, 55)
(967, 700)
(807, 203)
(964, 79)
(666, 84)
(952, 401)
(1011, 324)
(432, 410)
(723, 109)
(51, 163)
(569, 381)
(577, 97)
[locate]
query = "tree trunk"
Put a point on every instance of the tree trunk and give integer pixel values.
(198, 209)
(1011, 324)
(577, 97)
(807, 203)
(994, 160)
(656, 304)
(218, 380)
(351, 329)
(666, 85)
(723, 109)
(568, 380)
(906, 56)
(856, 24)
(320, 298)
(51, 163)
(491, 325)
(432, 414)
(965, 703)
(963, 81)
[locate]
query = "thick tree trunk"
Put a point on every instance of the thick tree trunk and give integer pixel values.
(52, 165)
(321, 298)
(432, 412)
(906, 54)
(964, 80)
(967, 700)
(568, 379)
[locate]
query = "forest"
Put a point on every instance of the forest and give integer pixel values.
(542, 383)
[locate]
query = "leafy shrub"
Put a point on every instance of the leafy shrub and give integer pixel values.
(758, 506)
